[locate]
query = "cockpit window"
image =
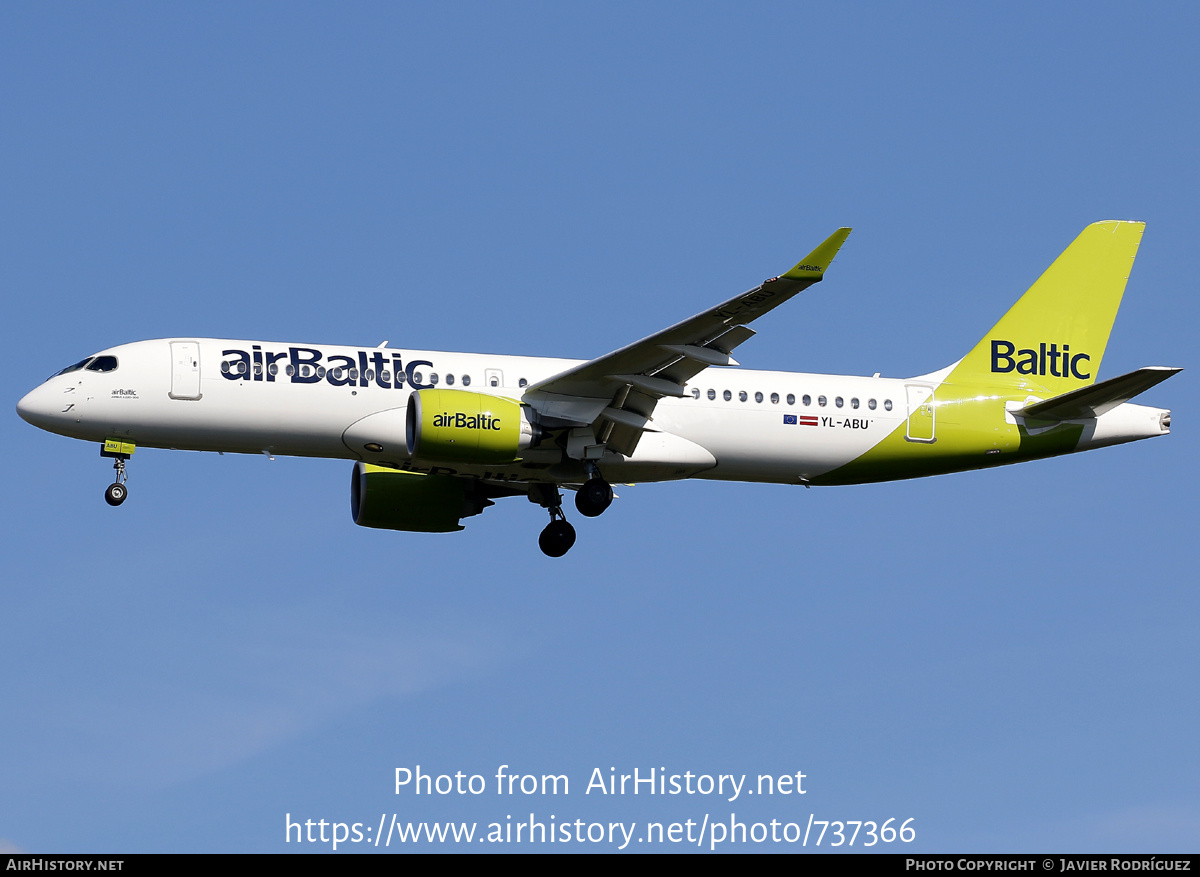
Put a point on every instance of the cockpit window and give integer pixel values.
(103, 364)
(73, 368)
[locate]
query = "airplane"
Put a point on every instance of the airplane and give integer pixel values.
(438, 437)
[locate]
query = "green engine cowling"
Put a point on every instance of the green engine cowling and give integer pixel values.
(388, 499)
(460, 426)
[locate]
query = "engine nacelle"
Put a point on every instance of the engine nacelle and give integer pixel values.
(389, 499)
(461, 426)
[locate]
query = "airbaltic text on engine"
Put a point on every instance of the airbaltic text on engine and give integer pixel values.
(458, 420)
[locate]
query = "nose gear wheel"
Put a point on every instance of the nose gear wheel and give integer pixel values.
(116, 493)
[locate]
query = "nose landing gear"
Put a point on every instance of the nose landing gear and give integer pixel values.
(116, 492)
(118, 451)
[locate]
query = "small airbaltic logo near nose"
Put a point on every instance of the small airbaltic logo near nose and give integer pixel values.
(1027, 361)
(124, 394)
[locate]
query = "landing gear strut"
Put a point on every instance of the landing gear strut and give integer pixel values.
(558, 536)
(116, 492)
(117, 451)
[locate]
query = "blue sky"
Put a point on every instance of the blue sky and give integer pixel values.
(1008, 657)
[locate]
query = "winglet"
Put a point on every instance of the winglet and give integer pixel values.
(812, 267)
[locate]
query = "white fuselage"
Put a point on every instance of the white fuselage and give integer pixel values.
(738, 434)
(345, 402)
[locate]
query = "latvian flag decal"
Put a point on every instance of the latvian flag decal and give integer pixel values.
(802, 420)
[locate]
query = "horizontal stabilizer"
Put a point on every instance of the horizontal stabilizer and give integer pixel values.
(1098, 398)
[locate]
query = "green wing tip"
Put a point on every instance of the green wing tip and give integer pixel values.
(812, 266)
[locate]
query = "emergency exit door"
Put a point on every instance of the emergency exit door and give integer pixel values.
(921, 413)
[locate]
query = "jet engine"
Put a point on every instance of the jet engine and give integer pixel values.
(389, 499)
(460, 426)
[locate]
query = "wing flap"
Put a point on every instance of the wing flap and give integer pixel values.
(656, 386)
(704, 355)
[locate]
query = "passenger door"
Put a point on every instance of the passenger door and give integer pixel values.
(185, 370)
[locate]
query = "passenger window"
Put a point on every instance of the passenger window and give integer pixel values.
(791, 399)
(449, 380)
(384, 375)
(712, 394)
(774, 398)
(273, 369)
(291, 370)
(742, 396)
(822, 401)
(353, 373)
(871, 404)
(696, 393)
(758, 397)
(807, 400)
(522, 383)
(433, 378)
(838, 402)
(728, 395)
(854, 403)
(495, 381)
(418, 378)
(466, 380)
(887, 403)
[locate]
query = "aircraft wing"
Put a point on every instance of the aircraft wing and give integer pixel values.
(616, 393)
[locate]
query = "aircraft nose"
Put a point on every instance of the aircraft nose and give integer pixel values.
(37, 407)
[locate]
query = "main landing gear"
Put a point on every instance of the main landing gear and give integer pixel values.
(591, 499)
(594, 497)
(558, 536)
(119, 452)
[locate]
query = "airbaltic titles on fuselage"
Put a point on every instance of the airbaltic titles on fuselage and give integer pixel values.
(308, 365)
